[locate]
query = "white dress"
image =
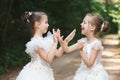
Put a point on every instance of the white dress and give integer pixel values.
(97, 71)
(37, 68)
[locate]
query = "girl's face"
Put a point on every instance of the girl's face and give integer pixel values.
(86, 26)
(43, 24)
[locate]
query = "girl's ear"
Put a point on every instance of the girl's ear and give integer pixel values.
(92, 27)
(37, 24)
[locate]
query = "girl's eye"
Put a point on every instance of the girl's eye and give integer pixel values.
(83, 22)
(46, 21)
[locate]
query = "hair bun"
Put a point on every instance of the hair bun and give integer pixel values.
(26, 16)
(106, 26)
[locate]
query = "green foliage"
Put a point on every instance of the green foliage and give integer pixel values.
(13, 57)
(114, 12)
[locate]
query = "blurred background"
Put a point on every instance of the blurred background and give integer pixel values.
(63, 14)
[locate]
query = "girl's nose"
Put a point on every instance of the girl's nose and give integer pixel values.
(48, 24)
(80, 24)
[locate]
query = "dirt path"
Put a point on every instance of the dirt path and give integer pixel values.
(65, 67)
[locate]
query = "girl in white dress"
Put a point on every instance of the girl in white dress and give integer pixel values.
(41, 49)
(90, 49)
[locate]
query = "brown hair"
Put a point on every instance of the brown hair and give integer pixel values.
(31, 17)
(100, 24)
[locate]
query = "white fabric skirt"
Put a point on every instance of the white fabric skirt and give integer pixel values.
(96, 73)
(33, 72)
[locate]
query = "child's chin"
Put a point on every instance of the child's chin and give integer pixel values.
(45, 31)
(82, 33)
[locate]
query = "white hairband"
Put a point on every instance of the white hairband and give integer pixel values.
(102, 26)
(30, 13)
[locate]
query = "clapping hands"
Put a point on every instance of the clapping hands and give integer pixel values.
(57, 36)
(68, 38)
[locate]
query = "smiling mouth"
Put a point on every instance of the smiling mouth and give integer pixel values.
(82, 28)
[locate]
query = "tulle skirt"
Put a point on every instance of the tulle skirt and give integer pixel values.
(96, 73)
(33, 72)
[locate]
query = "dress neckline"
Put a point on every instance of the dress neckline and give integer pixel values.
(91, 41)
(36, 37)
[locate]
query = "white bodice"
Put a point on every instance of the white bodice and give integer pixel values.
(39, 42)
(96, 44)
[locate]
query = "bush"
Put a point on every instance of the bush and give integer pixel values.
(12, 58)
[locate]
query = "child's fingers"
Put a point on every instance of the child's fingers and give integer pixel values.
(55, 35)
(70, 36)
(58, 31)
(61, 39)
(80, 43)
(53, 31)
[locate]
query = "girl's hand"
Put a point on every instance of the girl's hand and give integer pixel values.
(70, 36)
(55, 36)
(60, 38)
(81, 44)
(58, 34)
(64, 43)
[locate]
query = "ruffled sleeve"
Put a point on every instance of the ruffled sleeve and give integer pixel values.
(32, 45)
(98, 45)
(39, 42)
(29, 48)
